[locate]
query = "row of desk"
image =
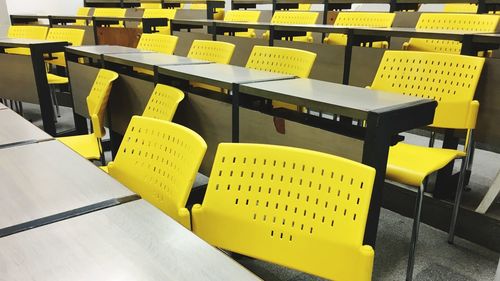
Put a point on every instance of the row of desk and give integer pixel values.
(64, 219)
(245, 115)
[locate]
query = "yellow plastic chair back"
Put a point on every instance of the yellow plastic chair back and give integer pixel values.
(163, 102)
(299, 208)
(71, 35)
(383, 20)
(97, 100)
(219, 12)
(449, 79)
(243, 16)
(288, 17)
(111, 12)
(156, 42)
(442, 21)
(282, 60)
(304, 7)
(159, 161)
(151, 5)
(82, 12)
(26, 32)
(213, 51)
(460, 8)
(160, 13)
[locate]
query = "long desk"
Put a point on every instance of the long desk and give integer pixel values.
(15, 130)
(47, 182)
(133, 241)
(28, 73)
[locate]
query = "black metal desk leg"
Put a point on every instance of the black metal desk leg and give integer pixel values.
(347, 57)
(43, 90)
(236, 113)
(375, 153)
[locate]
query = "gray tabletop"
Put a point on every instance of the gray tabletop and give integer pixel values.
(329, 97)
(47, 178)
(133, 241)
(457, 35)
(20, 42)
(149, 60)
(95, 51)
(14, 129)
(220, 75)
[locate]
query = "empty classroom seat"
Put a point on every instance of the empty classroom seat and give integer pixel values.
(160, 13)
(460, 8)
(292, 17)
(219, 12)
(111, 12)
(74, 37)
(157, 42)
(243, 16)
(383, 20)
(282, 60)
(159, 161)
(82, 12)
(441, 21)
(298, 208)
(36, 32)
(89, 145)
(449, 79)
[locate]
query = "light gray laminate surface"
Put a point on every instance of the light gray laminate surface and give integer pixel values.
(95, 51)
(323, 96)
(21, 42)
(149, 60)
(47, 178)
(220, 75)
(15, 129)
(133, 241)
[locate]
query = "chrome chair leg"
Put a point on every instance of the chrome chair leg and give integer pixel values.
(414, 234)
(458, 199)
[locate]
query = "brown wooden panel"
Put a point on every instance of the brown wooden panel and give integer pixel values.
(17, 78)
(128, 37)
(329, 64)
(129, 97)
(186, 39)
(82, 78)
(243, 47)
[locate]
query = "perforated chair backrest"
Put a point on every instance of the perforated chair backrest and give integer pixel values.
(98, 99)
(449, 79)
(28, 32)
(82, 12)
(295, 17)
(382, 20)
(159, 161)
(156, 42)
(109, 12)
(71, 35)
(163, 102)
(460, 8)
(242, 16)
(304, 7)
(299, 208)
(442, 21)
(160, 13)
(281, 60)
(214, 51)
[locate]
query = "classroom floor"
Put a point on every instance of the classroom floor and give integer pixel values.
(436, 259)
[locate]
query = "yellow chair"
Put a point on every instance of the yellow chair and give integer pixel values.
(284, 17)
(460, 8)
(243, 16)
(160, 13)
(82, 12)
(219, 12)
(213, 51)
(304, 7)
(382, 20)
(156, 42)
(159, 161)
(461, 22)
(71, 35)
(112, 13)
(449, 79)
(282, 60)
(162, 105)
(35, 32)
(298, 208)
(89, 146)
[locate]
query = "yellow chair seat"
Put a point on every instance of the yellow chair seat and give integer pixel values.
(105, 169)
(56, 79)
(85, 145)
(411, 164)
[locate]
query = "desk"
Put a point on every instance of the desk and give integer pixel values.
(134, 241)
(385, 114)
(29, 75)
(148, 60)
(14, 129)
(46, 182)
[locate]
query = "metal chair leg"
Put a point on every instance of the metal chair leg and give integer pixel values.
(458, 199)
(414, 234)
